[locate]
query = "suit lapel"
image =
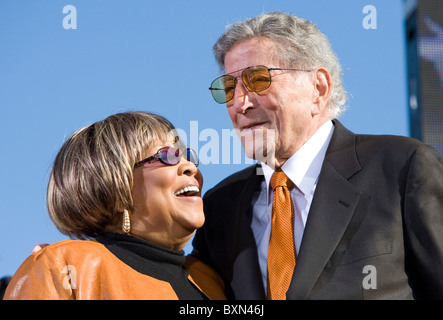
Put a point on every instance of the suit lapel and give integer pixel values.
(334, 204)
(246, 278)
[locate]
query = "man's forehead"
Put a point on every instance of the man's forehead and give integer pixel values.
(249, 53)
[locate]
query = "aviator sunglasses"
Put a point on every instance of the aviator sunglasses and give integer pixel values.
(255, 79)
(170, 156)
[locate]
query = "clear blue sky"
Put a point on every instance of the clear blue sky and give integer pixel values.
(156, 56)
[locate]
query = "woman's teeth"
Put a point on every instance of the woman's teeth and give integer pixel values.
(187, 189)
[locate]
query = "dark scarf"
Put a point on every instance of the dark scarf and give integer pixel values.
(154, 261)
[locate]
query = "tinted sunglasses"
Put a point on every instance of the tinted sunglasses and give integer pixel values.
(170, 156)
(255, 79)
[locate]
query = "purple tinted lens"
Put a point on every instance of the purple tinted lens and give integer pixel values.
(170, 156)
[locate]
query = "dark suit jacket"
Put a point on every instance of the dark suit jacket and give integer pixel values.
(378, 203)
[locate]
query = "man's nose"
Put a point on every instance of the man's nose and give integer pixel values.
(241, 101)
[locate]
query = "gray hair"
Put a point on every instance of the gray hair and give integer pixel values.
(299, 44)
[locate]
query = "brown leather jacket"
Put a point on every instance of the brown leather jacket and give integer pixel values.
(76, 269)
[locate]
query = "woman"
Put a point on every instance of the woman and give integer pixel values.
(128, 186)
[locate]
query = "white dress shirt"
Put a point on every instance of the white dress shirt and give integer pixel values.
(303, 169)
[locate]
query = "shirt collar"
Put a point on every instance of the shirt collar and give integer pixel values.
(303, 167)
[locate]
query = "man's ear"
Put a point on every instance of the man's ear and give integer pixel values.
(322, 88)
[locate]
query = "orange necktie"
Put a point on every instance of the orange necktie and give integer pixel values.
(281, 251)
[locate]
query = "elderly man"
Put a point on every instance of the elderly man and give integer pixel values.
(334, 215)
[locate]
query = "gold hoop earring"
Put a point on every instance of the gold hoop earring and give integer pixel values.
(126, 222)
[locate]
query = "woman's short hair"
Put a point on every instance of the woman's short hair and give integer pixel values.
(92, 177)
(299, 44)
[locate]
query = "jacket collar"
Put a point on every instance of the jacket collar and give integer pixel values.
(335, 202)
(246, 277)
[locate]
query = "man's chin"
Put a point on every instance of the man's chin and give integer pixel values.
(258, 144)
(261, 154)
